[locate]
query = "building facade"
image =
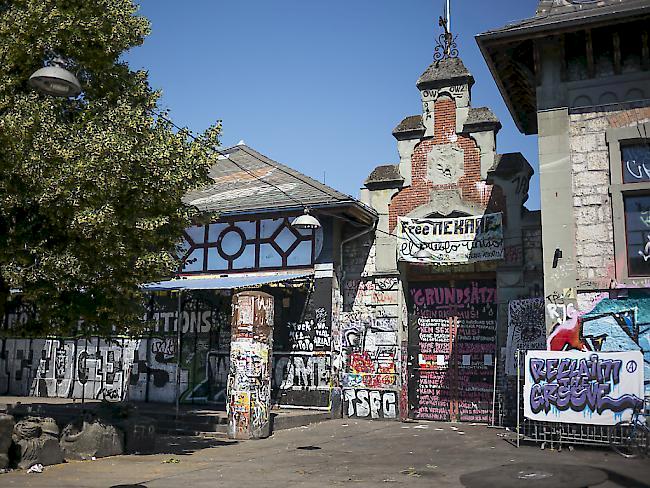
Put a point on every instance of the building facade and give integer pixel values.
(246, 243)
(577, 74)
(426, 297)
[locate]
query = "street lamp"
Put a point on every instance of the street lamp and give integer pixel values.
(306, 221)
(55, 80)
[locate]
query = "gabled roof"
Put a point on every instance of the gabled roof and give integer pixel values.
(246, 181)
(509, 50)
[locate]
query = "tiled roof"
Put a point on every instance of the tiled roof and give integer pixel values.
(558, 14)
(247, 181)
(443, 73)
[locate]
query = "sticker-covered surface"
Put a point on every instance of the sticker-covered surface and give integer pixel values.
(451, 351)
(249, 379)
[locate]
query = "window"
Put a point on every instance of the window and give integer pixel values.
(637, 234)
(629, 153)
(636, 162)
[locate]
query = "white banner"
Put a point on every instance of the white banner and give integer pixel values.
(582, 387)
(450, 241)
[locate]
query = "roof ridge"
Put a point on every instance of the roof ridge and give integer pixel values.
(328, 190)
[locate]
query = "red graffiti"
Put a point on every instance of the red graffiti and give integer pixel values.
(374, 375)
(567, 335)
(360, 362)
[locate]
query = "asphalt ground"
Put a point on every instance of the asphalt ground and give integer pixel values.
(341, 453)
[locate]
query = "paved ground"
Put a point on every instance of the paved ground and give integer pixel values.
(337, 452)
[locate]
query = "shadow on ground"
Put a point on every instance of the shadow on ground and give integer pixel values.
(623, 480)
(185, 445)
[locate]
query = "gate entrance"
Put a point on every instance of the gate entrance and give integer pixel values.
(452, 347)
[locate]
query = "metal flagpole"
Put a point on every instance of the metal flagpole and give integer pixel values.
(178, 352)
(448, 17)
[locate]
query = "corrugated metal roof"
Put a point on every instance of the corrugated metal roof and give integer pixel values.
(224, 282)
(245, 181)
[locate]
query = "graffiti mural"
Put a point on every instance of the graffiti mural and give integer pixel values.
(608, 325)
(453, 343)
(582, 387)
(91, 369)
(145, 368)
(526, 330)
(370, 349)
(369, 404)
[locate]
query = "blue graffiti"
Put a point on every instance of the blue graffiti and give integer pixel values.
(620, 325)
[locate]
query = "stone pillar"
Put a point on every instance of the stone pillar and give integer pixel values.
(249, 380)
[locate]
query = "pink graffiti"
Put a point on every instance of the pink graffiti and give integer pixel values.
(568, 334)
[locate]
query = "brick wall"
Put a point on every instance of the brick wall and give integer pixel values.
(470, 185)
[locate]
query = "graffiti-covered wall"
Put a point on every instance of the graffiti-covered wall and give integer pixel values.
(601, 323)
(144, 369)
(369, 337)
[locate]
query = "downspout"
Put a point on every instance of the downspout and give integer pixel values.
(350, 239)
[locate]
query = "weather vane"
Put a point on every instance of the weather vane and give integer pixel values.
(446, 46)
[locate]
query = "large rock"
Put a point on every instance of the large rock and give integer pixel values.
(37, 442)
(6, 430)
(89, 437)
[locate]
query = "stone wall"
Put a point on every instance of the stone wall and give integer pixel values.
(592, 206)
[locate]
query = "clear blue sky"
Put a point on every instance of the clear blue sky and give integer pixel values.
(317, 85)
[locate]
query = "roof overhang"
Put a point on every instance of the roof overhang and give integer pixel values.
(225, 282)
(510, 37)
(352, 209)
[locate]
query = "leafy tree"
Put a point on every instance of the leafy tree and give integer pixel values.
(90, 188)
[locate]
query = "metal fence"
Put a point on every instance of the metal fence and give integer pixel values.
(559, 433)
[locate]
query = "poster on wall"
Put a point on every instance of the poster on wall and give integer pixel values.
(451, 240)
(582, 387)
(526, 330)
